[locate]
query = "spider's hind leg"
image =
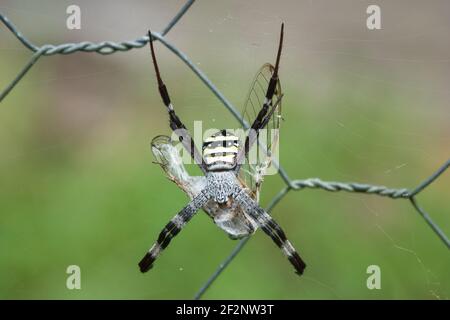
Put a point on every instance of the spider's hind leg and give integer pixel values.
(175, 123)
(267, 108)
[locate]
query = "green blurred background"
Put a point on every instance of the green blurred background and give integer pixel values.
(77, 183)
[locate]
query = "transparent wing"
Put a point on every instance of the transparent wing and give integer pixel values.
(167, 155)
(259, 160)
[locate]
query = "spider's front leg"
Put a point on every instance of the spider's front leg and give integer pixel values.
(172, 229)
(175, 123)
(271, 228)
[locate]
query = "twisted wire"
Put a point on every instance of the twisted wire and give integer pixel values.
(110, 47)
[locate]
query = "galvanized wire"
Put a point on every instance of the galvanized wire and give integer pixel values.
(109, 47)
(333, 186)
(104, 47)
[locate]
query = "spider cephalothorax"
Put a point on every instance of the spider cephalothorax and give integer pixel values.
(222, 192)
(221, 185)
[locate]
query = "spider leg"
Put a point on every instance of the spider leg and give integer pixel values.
(253, 136)
(263, 117)
(175, 123)
(172, 229)
(271, 228)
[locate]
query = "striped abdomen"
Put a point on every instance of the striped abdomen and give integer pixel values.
(220, 150)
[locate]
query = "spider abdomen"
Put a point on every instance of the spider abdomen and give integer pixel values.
(220, 151)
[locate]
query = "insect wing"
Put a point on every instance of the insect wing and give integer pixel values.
(168, 156)
(259, 158)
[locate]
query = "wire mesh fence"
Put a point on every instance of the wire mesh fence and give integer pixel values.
(109, 47)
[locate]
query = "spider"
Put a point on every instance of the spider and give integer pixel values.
(222, 192)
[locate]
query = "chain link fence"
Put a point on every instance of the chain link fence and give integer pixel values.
(109, 47)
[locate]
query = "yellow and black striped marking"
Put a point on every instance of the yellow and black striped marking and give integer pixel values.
(220, 150)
